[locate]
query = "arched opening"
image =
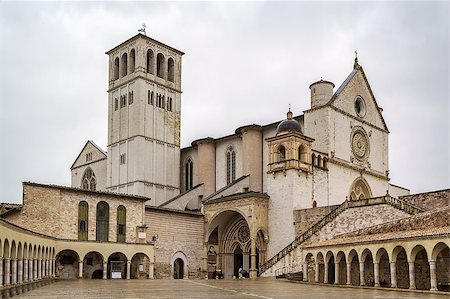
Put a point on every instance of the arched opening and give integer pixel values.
(102, 221)
(301, 153)
(88, 181)
(384, 267)
(321, 268)
(188, 174)
(83, 211)
(421, 268)
(67, 264)
(367, 259)
(117, 268)
(281, 153)
(150, 62)
(116, 69)
(238, 260)
(93, 265)
(441, 255)
(319, 161)
(331, 271)
(132, 60)
(160, 65)
(353, 259)
(340, 259)
(121, 223)
(309, 269)
(231, 165)
(178, 269)
(124, 68)
(402, 268)
(140, 264)
(360, 189)
(325, 163)
(170, 70)
(313, 160)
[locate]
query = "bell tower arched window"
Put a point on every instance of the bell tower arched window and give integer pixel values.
(83, 210)
(132, 61)
(170, 70)
(300, 152)
(116, 68)
(188, 174)
(121, 223)
(88, 182)
(160, 65)
(123, 71)
(150, 62)
(231, 165)
(102, 221)
(281, 153)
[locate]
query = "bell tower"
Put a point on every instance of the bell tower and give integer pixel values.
(144, 105)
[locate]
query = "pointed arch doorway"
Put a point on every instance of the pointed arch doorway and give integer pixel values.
(178, 269)
(238, 261)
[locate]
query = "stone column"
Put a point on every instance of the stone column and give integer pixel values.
(30, 270)
(433, 280)
(316, 274)
(105, 269)
(336, 273)
(412, 278)
(7, 267)
(25, 270)
(305, 271)
(53, 267)
(361, 274)
(151, 270)
(349, 273)
(253, 271)
(206, 165)
(325, 279)
(252, 148)
(128, 269)
(14, 271)
(49, 270)
(20, 271)
(393, 274)
(80, 269)
(1, 272)
(376, 274)
(35, 269)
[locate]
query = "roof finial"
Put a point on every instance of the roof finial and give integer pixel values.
(142, 30)
(356, 64)
(289, 114)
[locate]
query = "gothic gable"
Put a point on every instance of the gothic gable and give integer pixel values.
(90, 153)
(355, 97)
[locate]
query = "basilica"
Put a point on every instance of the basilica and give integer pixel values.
(306, 197)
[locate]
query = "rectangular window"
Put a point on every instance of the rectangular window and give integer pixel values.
(116, 103)
(88, 157)
(130, 98)
(123, 158)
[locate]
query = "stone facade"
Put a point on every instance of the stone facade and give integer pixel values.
(429, 200)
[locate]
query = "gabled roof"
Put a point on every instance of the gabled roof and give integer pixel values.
(140, 35)
(94, 145)
(357, 68)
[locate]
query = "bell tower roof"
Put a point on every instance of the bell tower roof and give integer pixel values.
(289, 124)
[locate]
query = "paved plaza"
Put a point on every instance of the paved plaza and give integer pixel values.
(230, 289)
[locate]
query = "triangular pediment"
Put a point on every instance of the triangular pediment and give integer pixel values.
(96, 154)
(345, 96)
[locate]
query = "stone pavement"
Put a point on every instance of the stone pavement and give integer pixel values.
(266, 288)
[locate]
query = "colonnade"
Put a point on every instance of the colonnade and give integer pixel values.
(414, 266)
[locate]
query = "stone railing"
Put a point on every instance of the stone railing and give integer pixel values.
(403, 205)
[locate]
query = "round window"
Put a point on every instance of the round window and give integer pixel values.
(360, 106)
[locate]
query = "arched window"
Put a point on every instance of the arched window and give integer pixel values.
(160, 65)
(313, 159)
(231, 165)
(325, 163)
(150, 61)
(102, 221)
(314, 204)
(121, 223)
(319, 161)
(116, 68)
(281, 153)
(132, 60)
(170, 70)
(163, 102)
(360, 189)
(188, 174)
(88, 182)
(123, 69)
(300, 152)
(83, 210)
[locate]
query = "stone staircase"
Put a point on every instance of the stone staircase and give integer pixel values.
(387, 199)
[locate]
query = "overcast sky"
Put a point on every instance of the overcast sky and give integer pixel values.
(245, 62)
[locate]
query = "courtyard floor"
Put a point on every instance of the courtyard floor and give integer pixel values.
(266, 288)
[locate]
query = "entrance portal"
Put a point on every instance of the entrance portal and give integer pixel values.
(238, 261)
(178, 269)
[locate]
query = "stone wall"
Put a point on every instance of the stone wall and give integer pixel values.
(304, 219)
(177, 232)
(425, 220)
(429, 200)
